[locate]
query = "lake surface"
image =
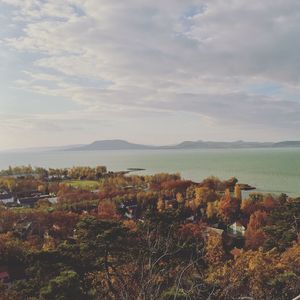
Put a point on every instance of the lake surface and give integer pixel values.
(270, 170)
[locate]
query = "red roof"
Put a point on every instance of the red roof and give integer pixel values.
(4, 275)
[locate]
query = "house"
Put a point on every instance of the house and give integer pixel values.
(171, 202)
(129, 209)
(234, 237)
(129, 215)
(22, 228)
(6, 198)
(212, 231)
(52, 200)
(28, 201)
(128, 187)
(218, 231)
(4, 275)
(237, 229)
(190, 219)
(96, 191)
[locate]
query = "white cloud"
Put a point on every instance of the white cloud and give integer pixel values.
(199, 57)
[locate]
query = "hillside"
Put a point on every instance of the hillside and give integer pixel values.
(287, 144)
(111, 145)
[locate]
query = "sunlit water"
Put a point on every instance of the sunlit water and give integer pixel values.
(270, 170)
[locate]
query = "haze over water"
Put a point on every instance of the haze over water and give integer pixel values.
(270, 170)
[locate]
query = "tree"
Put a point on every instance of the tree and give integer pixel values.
(161, 205)
(228, 207)
(107, 210)
(199, 196)
(212, 209)
(254, 235)
(215, 254)
(179, 198)
(238, 192)
(63, 287)
(41, 188)
(249, 206)
(268, 203)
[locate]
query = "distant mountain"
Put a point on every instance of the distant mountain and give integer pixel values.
(124, 145)
(112, 145)
(220, 145)
(287, 144)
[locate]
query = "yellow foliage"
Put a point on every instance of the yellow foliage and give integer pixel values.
(214, 249)
(179, 198)
(237, 192)
(200, 196)
(161, 205)
(212, 209)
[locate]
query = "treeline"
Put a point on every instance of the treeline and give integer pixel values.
(43, 173)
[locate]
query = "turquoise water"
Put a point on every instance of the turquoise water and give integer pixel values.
(270, 170)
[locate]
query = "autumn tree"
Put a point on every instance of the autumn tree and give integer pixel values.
(161, 205)
(254, 235)
(268, 203)
(238, 192)
(200, 194)
(215, 254)
(179, 198)
(228, 207)
(249, 206)
(107, 210)
(212, 209)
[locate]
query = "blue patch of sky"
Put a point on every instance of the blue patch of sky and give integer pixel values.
(90, 82)
(194, 10)
(186, 19)
(79, 12)
(87, 82)
(292, 97)
(14, 99)
(268, 89)
(6, 25)
(26, 102)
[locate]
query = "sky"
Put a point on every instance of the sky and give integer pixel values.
(153, 72)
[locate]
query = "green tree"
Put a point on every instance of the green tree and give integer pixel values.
(63, 287)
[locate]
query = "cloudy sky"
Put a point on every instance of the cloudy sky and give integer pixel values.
(155, 72)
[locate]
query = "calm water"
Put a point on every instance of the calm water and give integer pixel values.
(270, 170)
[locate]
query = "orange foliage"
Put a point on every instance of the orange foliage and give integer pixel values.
(107, 210)
(269, 203)
(228, 207)
(190, 230)
(130, 224)
(254, 234)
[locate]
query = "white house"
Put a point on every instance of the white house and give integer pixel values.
(237, 228)
(6, 198)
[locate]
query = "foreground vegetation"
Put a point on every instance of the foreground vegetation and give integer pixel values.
(146, 237)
